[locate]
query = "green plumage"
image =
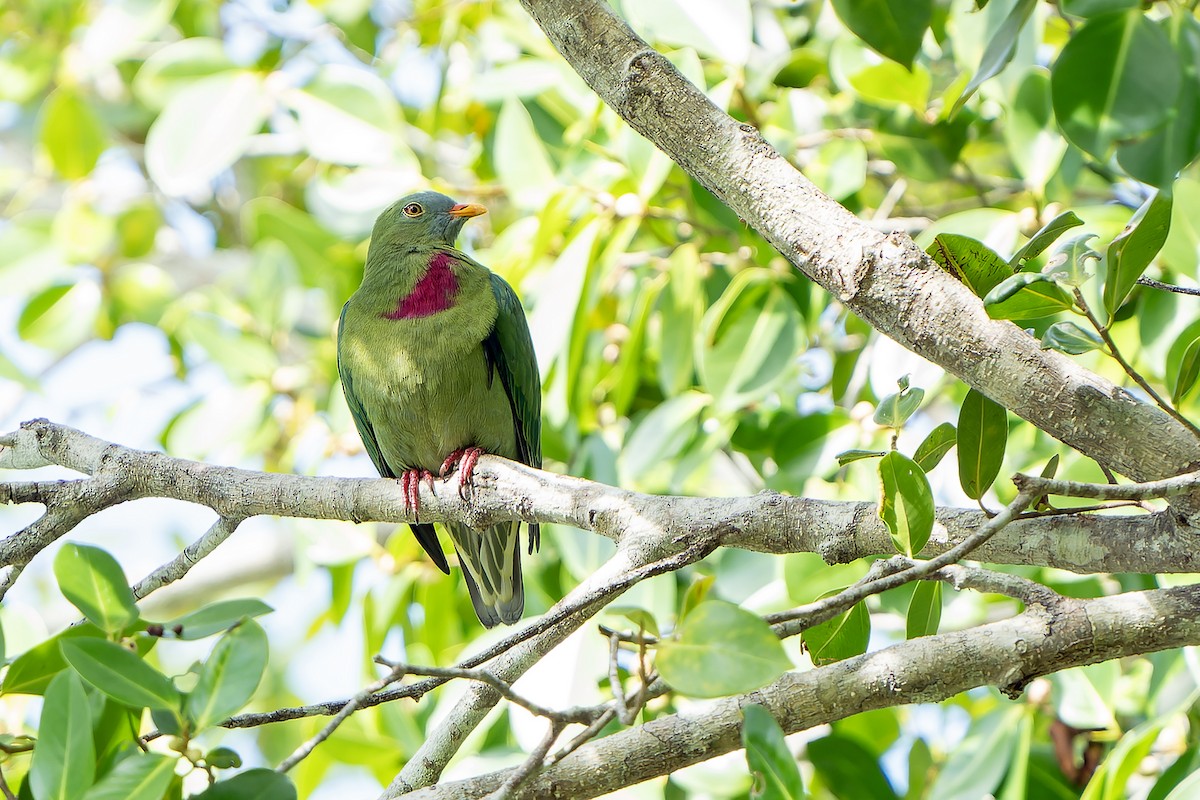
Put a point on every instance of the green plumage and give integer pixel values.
(435, 357)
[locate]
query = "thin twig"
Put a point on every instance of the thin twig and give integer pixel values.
(1129, 370)
(1061, 512)
(179, 566)
(583, 715)
(1167, 487)
(986, 580)
(1168, 287)
(301, 752)
(530, 765)
(8, 793)
(790, 623)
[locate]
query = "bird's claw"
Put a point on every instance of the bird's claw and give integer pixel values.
(465, 458)
(410, 482)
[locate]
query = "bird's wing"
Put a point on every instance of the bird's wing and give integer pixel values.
(509, 352)
(425, 533)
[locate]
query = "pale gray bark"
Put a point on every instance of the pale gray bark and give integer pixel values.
(885, 279)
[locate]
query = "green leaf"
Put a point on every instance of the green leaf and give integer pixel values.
(842, 637)
(978, 764)
(907, 505)
(229, 675)
(697, 593)
(253, 784)
(1158, 158)
(64, 760)
(1116, 78)
(71, 133)
(1067, 337)
(890, 84)
(176, 66)
(95, 584)
(892, 28)
(982, 436)
(1032, 137)
(680, 308)
(1026, 295)
(38, 306)
(222, 758)
(850, 456)
(776, 774)
(520, 158)
(1045, 237)
(215, 617)
(662, 434)
(1181, 779)
(140, 776)
(722, 29)
(640, 617)
(895, 409)
(1096, 8)
(721, 649)
(120, 674)
(808, 577)
(842, 762)
(924, 610)
(1134, 248)
(1183, 363)
(748, 338)
(348, 116)
(204, 129)
(1000, 49)
(970, 260)
(1068, 265)
(31, 672)
(1085, 697)
(939, 441)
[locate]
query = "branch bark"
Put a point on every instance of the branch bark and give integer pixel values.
(1006, 654)
(885, 279)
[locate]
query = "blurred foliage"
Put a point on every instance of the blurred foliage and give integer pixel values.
(206, 174)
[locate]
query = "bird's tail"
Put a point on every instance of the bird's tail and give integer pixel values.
(491, 564)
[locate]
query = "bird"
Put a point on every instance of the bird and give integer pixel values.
(438, 367)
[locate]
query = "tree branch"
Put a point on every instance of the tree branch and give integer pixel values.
(928, 669)
(885, 279)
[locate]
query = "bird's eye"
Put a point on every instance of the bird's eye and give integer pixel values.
(413, 210)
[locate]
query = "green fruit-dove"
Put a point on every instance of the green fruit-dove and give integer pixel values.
(438, 367)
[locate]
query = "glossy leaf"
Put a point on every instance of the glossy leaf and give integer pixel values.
(843, 762)
(776, 774)
(1116, 78)
(1067, 337)
(203, 130)
(842, 637)
(979, 763)
(32, 671)
(640, 617)
(229, 675)
(215, 617)
(969, 260)
(1026, 295)
(929, 452)
(64, 760)
(521, 160)
(1183, 363)
(719, 650)
(924, 610)
(893, 28)
(982, 437)
(890, 84)
(253, 784)
(1034, 142)
(1046, 236)
(907, 506)
(1068, 265)
(71, 133)
(95, 584)
(1096, 8)
(1158, 158)
(1132, 251)
(895, 409)
(141, 776)
(850, 456)
(120, 674)
(1000, 49)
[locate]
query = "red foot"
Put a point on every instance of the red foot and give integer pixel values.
(410, 482)
(465, 458)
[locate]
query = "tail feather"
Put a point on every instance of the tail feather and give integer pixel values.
(491, 563)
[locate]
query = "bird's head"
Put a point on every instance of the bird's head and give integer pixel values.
(424, 218)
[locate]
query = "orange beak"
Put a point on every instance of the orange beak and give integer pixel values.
(467, 210)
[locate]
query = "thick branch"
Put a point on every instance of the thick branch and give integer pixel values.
(885, 279)
(929, 669)
(768, 522)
